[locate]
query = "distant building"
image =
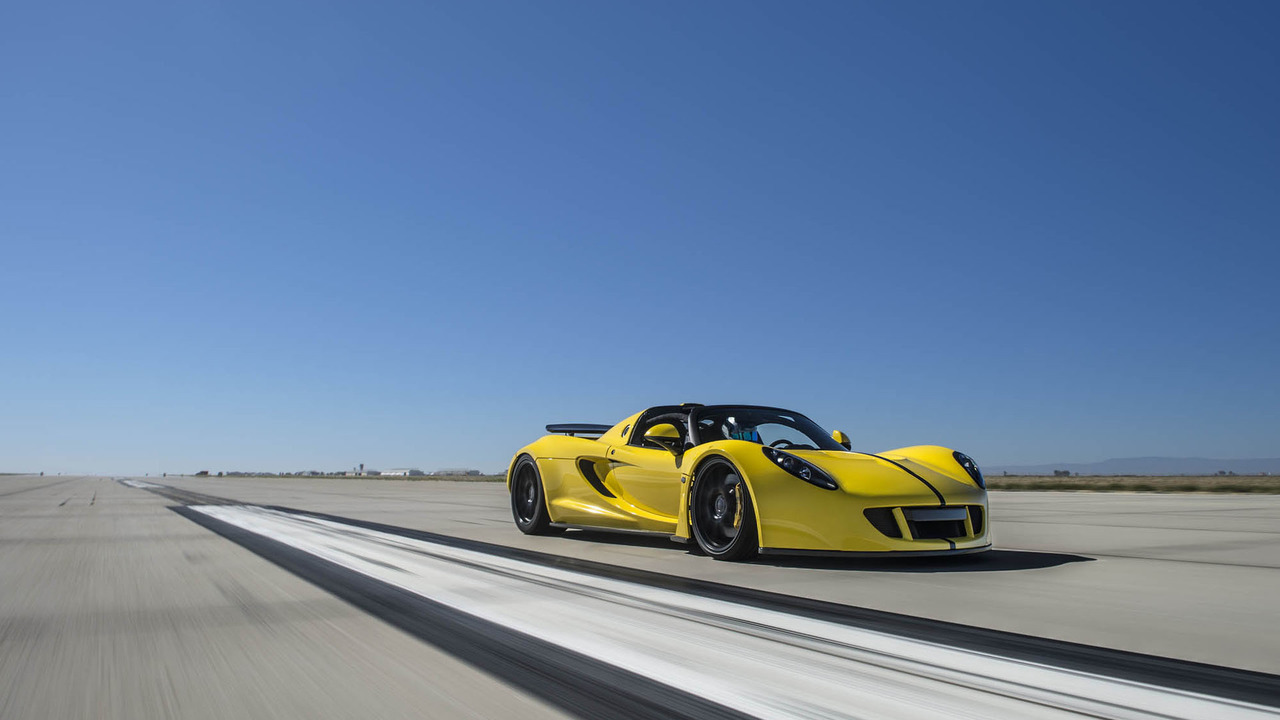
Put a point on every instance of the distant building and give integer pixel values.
(457, 471)
(402, 472)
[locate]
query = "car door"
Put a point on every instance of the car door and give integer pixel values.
(649, 479)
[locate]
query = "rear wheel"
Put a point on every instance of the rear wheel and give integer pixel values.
(721, 515)
(528, 502)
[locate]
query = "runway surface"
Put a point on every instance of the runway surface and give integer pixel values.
(332, 598)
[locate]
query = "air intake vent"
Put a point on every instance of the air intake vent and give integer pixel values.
(937, 529)
(588, 469)
(975, 516)
(941, 523)
(883, 520)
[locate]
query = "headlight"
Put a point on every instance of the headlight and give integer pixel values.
(802, 469)
(970, 467)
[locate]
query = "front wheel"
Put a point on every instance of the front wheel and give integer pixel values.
(528, 505)
(721, 515)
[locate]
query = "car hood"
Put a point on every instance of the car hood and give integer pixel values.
(893, 478)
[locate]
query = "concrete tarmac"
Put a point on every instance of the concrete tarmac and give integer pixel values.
(1185, 576)
(112, 605)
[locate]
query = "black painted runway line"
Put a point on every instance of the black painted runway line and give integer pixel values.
(1212, 680)
(573, 682)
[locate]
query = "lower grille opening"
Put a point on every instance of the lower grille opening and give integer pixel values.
(975, 517)
(928, 523)
(883, 520)
(936, 529)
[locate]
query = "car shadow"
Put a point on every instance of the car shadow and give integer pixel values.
(996, 560)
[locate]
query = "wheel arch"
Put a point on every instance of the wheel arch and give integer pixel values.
(511, 468)
(698, 464)
(541, 521)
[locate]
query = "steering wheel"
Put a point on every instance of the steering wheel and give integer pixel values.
(791, 445)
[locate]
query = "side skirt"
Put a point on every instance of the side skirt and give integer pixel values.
(617, 531)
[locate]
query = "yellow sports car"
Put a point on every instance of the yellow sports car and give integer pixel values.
(741, 479)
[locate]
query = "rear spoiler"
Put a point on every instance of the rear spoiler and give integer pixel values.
(572, 429)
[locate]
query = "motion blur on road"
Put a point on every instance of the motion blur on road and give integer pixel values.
(257, 597)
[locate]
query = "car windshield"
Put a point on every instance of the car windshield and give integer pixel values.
(782, 429)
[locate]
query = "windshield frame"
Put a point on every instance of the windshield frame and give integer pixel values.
(802, 423)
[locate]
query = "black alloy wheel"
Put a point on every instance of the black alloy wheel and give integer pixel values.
(527, 504)
(722, 517)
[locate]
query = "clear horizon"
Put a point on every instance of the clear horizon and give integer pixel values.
(214, 470)
(307, 237)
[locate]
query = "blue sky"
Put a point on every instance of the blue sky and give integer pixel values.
(308, 235)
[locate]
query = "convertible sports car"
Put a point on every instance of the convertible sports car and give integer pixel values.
(743, 479)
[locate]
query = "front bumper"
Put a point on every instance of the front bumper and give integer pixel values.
(801, 517)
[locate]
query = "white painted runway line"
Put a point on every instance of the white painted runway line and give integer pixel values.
(761, 662)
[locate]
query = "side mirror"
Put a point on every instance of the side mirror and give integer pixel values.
(665, 435)
(842, 439)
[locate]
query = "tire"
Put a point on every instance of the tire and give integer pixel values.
(722, 517)
(528, 501)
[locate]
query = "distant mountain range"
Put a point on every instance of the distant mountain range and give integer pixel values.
(1147, 466)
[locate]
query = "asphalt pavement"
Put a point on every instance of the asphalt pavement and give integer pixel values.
(1186, 576)
(125, 601)
(114, 606)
